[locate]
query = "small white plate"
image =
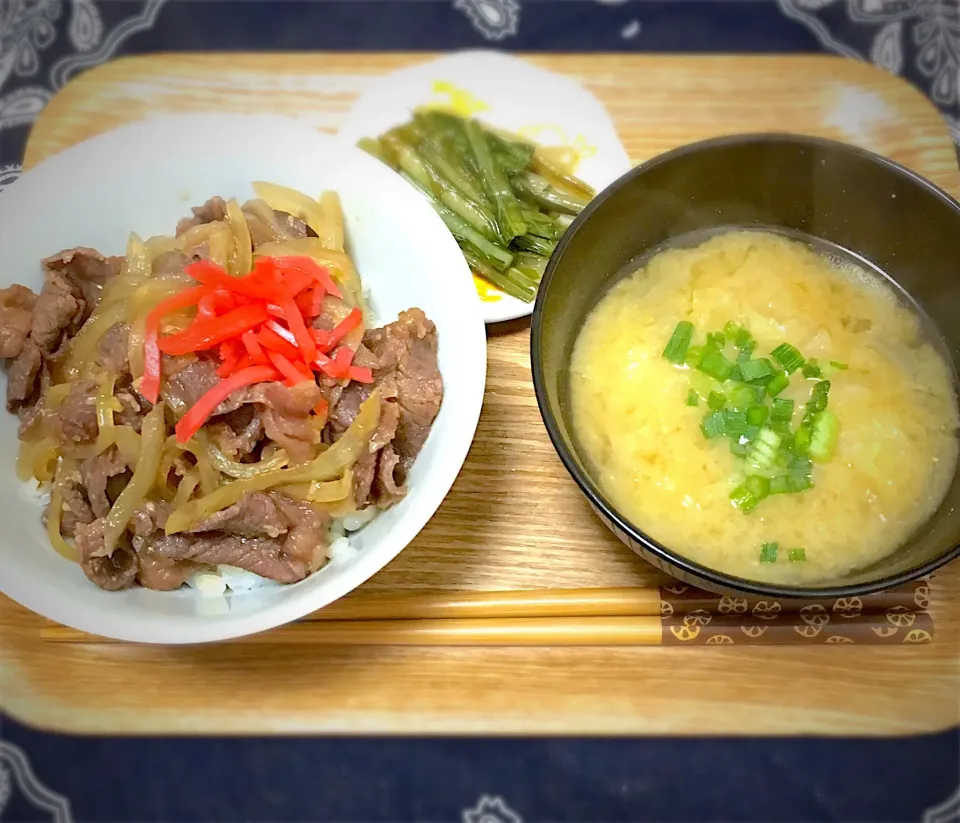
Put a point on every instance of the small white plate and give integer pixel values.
(143, 178)
(510, 94)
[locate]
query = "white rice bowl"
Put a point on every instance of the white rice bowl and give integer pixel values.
(143, 178)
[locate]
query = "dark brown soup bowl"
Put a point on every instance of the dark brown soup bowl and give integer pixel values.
(890, 218)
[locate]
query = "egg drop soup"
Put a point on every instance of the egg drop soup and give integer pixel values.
(790, 464)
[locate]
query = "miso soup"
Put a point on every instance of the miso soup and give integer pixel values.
(764, 409)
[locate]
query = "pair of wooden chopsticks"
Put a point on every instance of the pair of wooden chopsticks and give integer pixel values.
(552, 617)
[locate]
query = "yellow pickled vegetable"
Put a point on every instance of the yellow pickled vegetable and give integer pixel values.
(283, 198)
(144, 477)
(240, 260)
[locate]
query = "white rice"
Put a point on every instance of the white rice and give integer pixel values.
(209, 584)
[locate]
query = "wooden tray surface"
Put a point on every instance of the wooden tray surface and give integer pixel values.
(514, 520)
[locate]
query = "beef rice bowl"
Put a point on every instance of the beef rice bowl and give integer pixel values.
(215, 402)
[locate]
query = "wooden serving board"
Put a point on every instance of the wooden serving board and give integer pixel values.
(514, 520)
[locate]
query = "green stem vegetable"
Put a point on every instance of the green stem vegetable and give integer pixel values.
(509, 218)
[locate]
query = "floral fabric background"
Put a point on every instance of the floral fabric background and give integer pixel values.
(44, 43)
(918, 39)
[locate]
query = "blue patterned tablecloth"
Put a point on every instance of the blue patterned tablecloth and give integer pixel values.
(44, 43)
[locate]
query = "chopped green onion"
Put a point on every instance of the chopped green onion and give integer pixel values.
(751, 370)
(715, 364)
(784, 459)
(768, 552)
(788, 357)
(763, 450)
(797, 555)
(780, 426)
(747, 495)
(823, 439)
(743, 396)
(811, 369)
(758, 486)
(744, 339)
(780, 484)
(782, 409)
(737, 448)
(716, 340)
(746, 352)
(750, 434)
(735, 375)
(801, 466)
(820, 393)
(694, 353)
(778, 384)
(713, 425)
(838, 365)
(790, 483)
(731, 329)
(818, 400)
(801, 440)
(716, 401)
(693, 399)
(757, 415)
(676, 350)
(734, 423)
(743, 500)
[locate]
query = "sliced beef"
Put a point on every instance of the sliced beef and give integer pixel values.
(294, 226)
(29, 417)
(332, 311)
(330, 390)
(185, 385)
(112, 349)
(112, 573)
(75, 422)
(150, 517)
(365, 470)
(134, 408)
(260, 231)
(237, 433)
(16, 319)
(59, 309)
(411, 389)
(280, 226)
(253, 515)
(31, 410)
(266, 533)
(364, 473)
(22, 376)
(76, 510)
(308, 529)
(407, 354)
(163, 575)
(87, 270)
(346, 410)
(210, 212)
(287, 418)
(386, 489)
(365, 358)
(260, 555)
(95, 472)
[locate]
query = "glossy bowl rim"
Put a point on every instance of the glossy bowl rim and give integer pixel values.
(716, 578)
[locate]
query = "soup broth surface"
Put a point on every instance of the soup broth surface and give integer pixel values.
(896, 404)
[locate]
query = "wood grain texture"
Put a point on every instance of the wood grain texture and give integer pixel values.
(513, 520)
